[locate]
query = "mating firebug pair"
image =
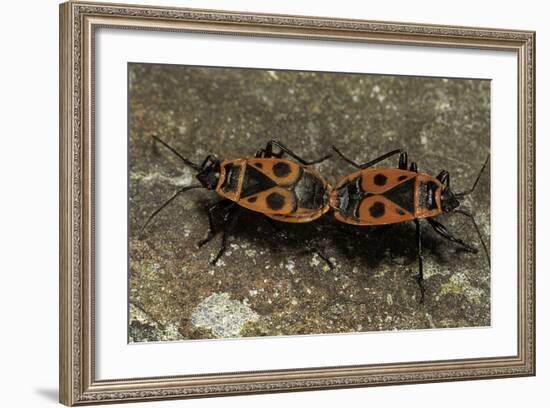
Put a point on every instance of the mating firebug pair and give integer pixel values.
(292, 191)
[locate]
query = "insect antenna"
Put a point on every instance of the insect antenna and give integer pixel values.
(186, 161)
(471, 217)
(177, 193)
(471, 190)
(368, 164)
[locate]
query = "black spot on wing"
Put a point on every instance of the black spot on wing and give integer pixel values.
(377, 210)
(400, 211)
(281, 169)
(252, 199)
(275, 201)
(259, 164)
(401, 178)
(254, 182)
(380, 179)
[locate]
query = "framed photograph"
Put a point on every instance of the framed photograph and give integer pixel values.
(258, 203)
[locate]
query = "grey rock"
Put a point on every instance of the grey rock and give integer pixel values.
(222, 316)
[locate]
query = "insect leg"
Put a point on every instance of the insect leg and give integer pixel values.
(403, 159)
(420, 277)
(229, 222)
(316, 250)
(370, 163)
(215, 211)
(471, 217)
(260, 153)
(445, 178)
(268, 152)
(308, 246)
(208, 158)
(414, 167)
(441, 230)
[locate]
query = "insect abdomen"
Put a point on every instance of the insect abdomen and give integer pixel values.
(311, 192)
(349, 197)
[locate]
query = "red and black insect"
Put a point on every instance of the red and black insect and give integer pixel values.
(281, 189)
(382, 196)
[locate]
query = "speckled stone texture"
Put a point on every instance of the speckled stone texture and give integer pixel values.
(268, 283)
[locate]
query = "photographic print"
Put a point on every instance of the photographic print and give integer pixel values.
(311, 203)
(281, 203)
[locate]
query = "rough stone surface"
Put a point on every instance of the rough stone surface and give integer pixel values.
(442, 123)
(222, 316)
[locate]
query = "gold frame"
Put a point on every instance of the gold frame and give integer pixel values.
(78, 22)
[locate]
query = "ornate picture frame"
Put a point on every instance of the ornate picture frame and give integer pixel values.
(79, 22)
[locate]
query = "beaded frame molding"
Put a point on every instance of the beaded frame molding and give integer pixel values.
(78, 22)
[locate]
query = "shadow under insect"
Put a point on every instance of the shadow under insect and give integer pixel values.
(373, 250)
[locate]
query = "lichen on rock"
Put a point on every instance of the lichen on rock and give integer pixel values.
(222, 316)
